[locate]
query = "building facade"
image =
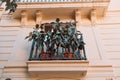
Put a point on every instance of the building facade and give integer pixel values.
(100, 28)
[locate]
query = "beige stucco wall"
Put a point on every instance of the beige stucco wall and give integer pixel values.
(102, 48)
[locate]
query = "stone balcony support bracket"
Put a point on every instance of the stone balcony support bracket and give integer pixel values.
(38, 17)
(23, 17)
(78, 17)
(93, 17)
(58, 68)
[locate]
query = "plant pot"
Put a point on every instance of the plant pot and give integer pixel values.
(71, 55)
(49, 55)
(43, 54)
(66, 54)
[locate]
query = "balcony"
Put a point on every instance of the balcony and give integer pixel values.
(64, 55)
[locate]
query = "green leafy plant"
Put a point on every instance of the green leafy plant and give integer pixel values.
(10, 5)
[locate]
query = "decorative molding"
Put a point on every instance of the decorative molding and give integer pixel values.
(103, 23)
(6, 46)
(114, 58)
(6, 17)
(112, 51)
(110, 38)
(110, 33)
(107, 28)
(60, 1)
(15, 72)
(7, 35)
(58, 62)
(111, 44)
(5, 52)
(7, 40)
(6, 26)
(8, 30)
(61, 5)
(3, 60)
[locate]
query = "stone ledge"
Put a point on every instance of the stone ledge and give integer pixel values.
(58, 67)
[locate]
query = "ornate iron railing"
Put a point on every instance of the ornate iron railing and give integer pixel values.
(62, 0)
(56, 41)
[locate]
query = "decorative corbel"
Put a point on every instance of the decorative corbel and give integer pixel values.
(23, 17)
(93, 17)
(78, 17)
(38, 17)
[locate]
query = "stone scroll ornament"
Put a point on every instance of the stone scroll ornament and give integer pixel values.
(56, 40)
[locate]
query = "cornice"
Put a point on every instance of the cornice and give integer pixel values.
(60, 5)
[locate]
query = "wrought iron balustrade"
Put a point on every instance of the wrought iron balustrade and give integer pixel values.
(57, 41)
(62, 0)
